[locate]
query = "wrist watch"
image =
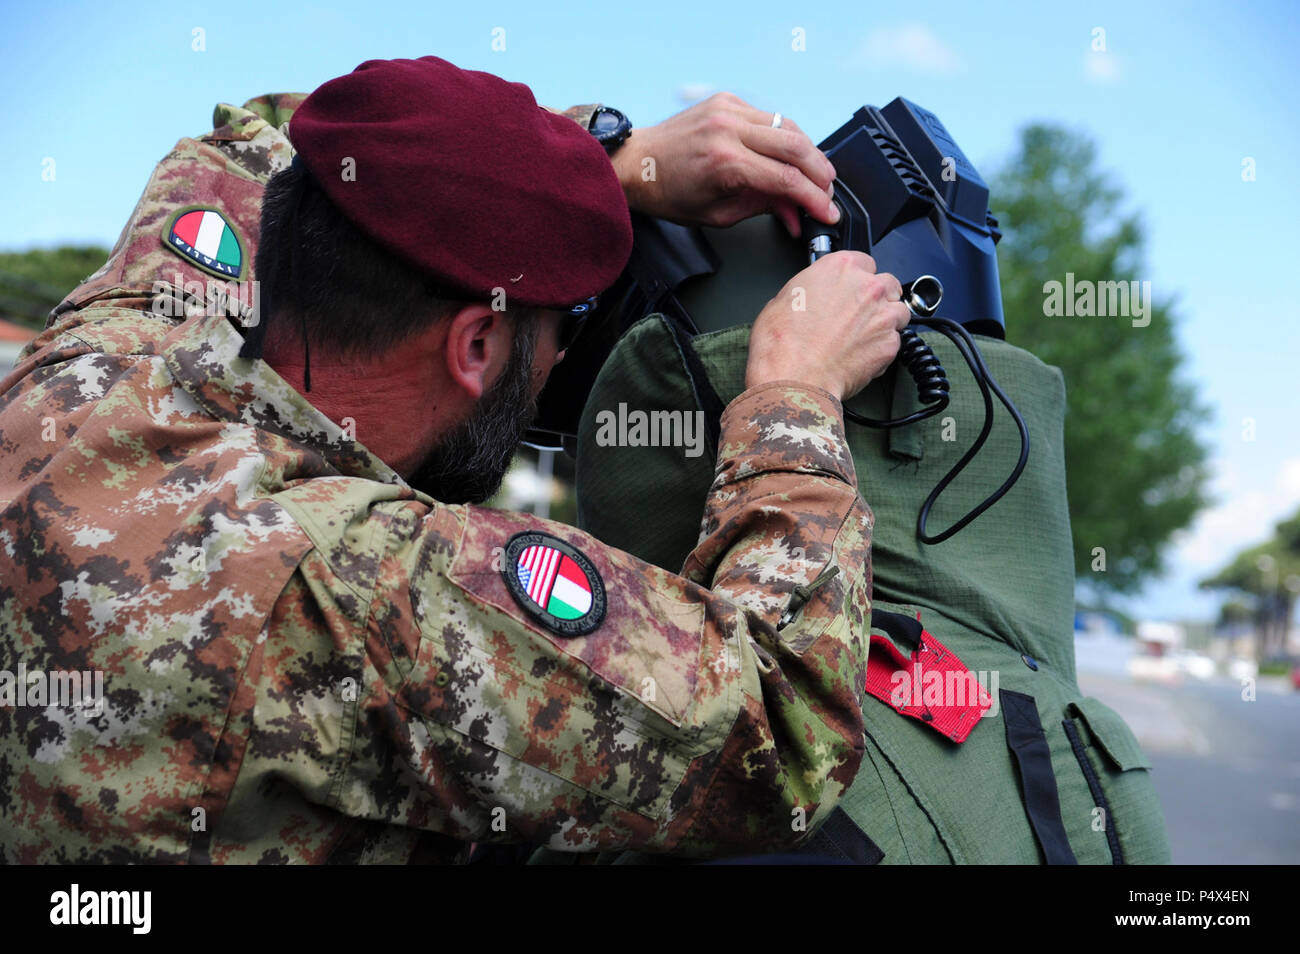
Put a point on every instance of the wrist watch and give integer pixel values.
(610, 127)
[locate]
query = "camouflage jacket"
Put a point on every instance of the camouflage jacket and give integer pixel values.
(304, 659)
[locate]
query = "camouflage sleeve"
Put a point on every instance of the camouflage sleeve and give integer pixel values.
(579, 114)
(224, 169)
(689, 720)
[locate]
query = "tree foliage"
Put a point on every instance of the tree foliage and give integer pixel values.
(1267, 575)
(31, 283)
(1134, 462)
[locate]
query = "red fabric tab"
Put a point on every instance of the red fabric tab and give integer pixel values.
(933, 686)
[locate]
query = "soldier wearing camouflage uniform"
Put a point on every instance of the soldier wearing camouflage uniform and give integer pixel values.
(307, 659)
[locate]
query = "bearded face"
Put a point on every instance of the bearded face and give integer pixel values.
(469, 464)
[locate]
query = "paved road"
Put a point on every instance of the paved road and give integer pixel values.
(1227, 770)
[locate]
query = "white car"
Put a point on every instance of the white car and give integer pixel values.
(1194, 664)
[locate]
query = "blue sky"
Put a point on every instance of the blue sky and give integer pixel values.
(1182, 94)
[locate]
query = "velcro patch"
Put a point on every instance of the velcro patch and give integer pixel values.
(933, 686)
(206, 238)
(554, 582)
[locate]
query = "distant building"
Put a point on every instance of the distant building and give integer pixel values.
(13, 338)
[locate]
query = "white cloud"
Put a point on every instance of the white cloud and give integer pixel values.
(1288, 478)
(694, 92)
(911, 46)
(1242, 519)
(1102, 67)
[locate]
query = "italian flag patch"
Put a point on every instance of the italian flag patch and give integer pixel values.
(206, 238)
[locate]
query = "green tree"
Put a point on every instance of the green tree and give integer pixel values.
(1288, 531)
(1268, 576)
(1234, 612)
(31, 283)
(1134, 462)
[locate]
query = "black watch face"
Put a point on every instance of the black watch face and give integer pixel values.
(606, 123)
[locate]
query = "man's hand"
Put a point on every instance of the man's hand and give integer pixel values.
(719, 162)
(835, 325)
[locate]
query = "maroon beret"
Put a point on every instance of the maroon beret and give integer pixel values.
(463, 175)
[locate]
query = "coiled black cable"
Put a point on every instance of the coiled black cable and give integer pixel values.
(969, 350)
(919, 360)
(644, 296)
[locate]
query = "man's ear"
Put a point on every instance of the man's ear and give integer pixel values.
(478, 347)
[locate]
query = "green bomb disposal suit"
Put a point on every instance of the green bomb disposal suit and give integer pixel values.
(999, 596)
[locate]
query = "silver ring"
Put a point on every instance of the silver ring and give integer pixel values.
(776, 120)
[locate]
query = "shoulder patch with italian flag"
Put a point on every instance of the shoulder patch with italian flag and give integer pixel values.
(206, 238)
(554, 582)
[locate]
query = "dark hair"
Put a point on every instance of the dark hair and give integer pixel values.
(324, 277)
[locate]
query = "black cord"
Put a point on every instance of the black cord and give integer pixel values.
(920, 362)
(914, 354)
(918, 359)
(957, 334)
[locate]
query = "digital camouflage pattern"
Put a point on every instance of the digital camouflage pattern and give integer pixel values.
(306, 660)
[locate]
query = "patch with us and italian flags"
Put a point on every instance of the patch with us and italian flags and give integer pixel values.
(206, 238)
(555, 582)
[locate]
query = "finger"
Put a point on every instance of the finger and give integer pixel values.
(893, 287)
(790, 124)
(789, 146)
(902, 317)
(784, 182)
(727, 213)
(758, 116)
(898, 346)
(789, 216)
(763, 120)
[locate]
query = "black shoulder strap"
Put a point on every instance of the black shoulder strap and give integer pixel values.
(899, 628)
(841, 839)
(1028, 743)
